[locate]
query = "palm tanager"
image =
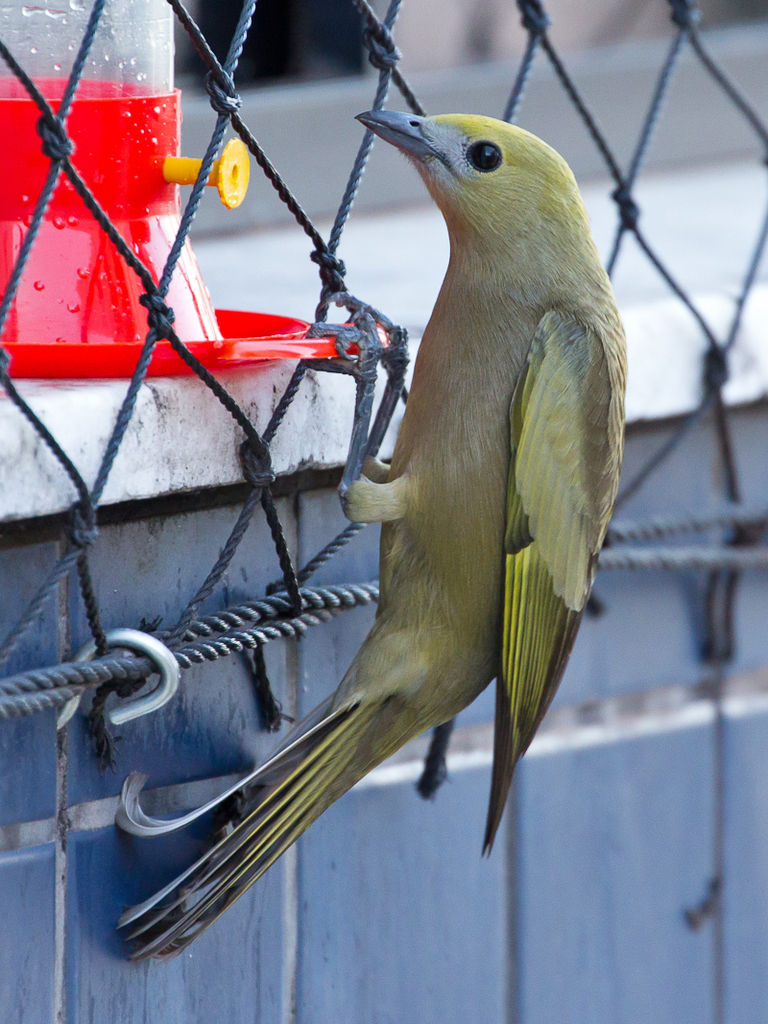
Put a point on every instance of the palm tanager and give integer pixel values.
(494, 507)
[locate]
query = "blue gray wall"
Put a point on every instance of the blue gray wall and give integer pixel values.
(385, 912)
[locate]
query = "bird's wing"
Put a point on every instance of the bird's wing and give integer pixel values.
(566, 437)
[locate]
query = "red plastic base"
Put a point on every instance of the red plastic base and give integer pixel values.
(247, 338)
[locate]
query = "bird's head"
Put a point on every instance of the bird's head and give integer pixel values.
(490, 179)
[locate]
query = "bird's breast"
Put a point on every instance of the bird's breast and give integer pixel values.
(454, 447)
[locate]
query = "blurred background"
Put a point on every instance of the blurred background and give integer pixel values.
(307, 40)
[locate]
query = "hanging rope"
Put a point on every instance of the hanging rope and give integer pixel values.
(243, 627)
(256, 460)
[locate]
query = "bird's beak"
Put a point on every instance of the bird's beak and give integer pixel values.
(402, 130)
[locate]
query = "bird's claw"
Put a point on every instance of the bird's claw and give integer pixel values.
(378, 340)
(345, 336)
(368, 329)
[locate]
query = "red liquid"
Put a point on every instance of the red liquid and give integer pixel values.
(76, 289)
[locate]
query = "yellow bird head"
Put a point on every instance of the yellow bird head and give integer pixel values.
(504, 193)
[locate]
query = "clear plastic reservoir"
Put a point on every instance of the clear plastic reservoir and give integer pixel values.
(133, 48)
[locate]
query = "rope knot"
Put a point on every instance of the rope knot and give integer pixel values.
(382, 52)
(715, 367)
(332, 269)
(685, 13)
(57, 145)
(629, 211)
(222, 93)
(160, 316)
(534, 18)
(82, 527)
(257, 465)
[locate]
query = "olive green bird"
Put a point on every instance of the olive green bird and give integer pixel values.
(494, 508)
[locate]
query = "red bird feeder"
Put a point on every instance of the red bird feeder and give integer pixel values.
(77, 311)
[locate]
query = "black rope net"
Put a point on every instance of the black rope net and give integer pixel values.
(291, 606)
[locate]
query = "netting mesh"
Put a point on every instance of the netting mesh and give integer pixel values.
(291, 607)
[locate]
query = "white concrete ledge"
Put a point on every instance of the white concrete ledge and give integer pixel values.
(181, 438)
(666, 351)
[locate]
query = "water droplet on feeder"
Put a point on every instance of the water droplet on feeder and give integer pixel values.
(58, 222)
(73, 307)
(83, 273)
(39, 286)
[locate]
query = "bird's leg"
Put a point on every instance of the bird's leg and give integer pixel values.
(374, 500)
(369, 502)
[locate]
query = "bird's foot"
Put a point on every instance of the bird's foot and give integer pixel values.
(367, 502)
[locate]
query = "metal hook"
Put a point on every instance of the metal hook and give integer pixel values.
(157, 652)
(131, 816)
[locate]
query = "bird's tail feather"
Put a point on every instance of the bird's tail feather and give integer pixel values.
(538, 639)
(312, 772)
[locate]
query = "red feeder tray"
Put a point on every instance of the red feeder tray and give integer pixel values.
(246, 338)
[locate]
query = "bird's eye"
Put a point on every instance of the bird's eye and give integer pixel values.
(484, 156)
